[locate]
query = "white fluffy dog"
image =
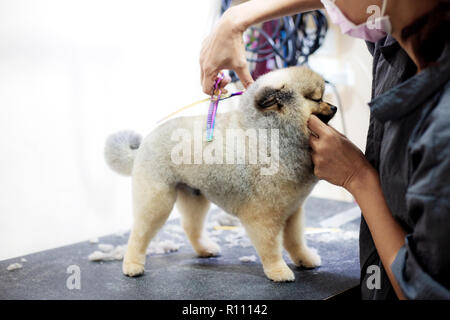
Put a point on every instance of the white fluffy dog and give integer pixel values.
(266, 197)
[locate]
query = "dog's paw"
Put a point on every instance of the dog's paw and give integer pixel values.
(132, 269)
(208, 248)
(280, 274)
(308, 258)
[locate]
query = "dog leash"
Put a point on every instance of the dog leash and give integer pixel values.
(212, 111)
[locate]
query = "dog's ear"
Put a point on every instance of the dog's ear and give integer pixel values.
(268, 98)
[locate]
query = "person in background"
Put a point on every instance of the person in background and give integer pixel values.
(402, 183)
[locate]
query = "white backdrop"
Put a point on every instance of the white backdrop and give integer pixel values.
(72, 72)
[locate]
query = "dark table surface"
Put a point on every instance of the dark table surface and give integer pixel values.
(182, 275)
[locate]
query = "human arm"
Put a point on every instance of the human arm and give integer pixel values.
(224, 47)
(340, 162)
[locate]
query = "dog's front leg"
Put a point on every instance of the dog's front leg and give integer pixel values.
(265, 232)
(152, 204)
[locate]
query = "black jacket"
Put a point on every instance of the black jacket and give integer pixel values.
(409, 144)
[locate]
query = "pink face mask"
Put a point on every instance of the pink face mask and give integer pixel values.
(376, 27)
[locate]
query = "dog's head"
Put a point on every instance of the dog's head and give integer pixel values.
(292, 94)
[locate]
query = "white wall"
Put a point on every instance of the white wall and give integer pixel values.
(72, 72)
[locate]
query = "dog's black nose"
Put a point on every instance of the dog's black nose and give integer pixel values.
(333, 109)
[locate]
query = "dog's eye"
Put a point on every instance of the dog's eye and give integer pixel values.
(316, 100)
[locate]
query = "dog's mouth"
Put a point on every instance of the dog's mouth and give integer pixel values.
(327, 113)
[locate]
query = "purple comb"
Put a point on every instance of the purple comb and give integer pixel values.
(215, 98)
(213, 109)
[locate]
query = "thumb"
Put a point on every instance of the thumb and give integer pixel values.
(338, 132)
(316, 125)
(244, 75)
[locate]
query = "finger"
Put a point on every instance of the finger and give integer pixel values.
(204, 45)
(204, 83)
(338, 132)
(225, 81)
(316, 125)
(209, 78)
(313, 139)
(314, 158)
(244, 75)
(202, 62)
(313, 142)
(313, 134)
(201, 74)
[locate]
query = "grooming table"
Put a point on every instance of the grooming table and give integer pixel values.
(332, 229)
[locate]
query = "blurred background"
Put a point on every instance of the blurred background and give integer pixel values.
(72, 72)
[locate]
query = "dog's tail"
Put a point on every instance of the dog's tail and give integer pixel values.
(120, 151)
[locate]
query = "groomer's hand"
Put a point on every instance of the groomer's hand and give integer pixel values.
(224, 49)
(336, 159)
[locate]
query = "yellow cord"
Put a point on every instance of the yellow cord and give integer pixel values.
(223, 96)
(184, 108)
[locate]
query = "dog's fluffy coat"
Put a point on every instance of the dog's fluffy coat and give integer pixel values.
(268, 206)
